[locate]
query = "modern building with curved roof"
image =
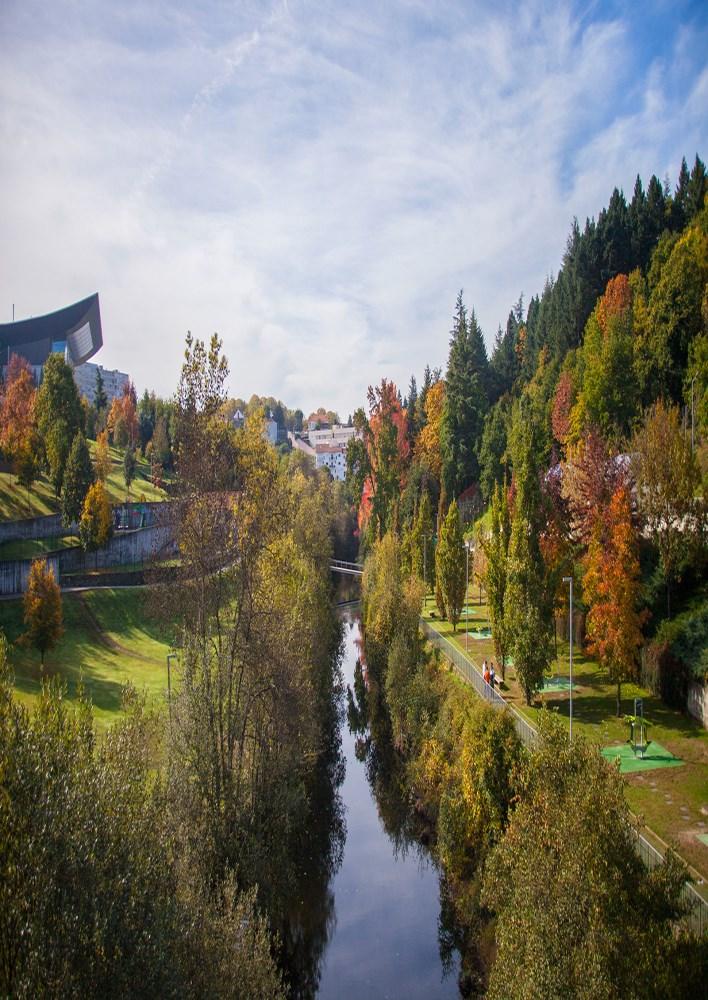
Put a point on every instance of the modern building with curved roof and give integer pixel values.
(74, 331)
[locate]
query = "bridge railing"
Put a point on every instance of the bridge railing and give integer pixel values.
(356, 569)
(697, 906)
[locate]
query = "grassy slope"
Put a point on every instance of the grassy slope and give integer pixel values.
(14, 501)
(81, 655)
(672, 801)
(29, 548)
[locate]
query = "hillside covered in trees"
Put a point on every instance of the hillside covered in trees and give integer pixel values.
(584, 430)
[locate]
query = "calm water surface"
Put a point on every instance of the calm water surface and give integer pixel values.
(386, 901)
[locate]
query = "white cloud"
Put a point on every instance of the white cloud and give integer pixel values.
(315, 183)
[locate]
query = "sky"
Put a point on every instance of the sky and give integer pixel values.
(315, 182)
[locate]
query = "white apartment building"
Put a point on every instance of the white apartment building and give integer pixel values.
(332, 457)
(113, 381)
(337, 435)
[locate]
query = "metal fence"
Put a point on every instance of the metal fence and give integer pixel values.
(698, 907)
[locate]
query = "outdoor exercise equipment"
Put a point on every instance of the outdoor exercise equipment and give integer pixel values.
(638, 729)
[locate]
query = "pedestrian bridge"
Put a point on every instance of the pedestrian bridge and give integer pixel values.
(349, 568)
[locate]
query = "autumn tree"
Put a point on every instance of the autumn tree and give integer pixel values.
(667, 479)
(562, 405)
(428, 443)
(78, 476)
(495, 578)
(590, 477)
(42, 608)
(102, 461)
(95, 525)
(450, 564)
(379, 461)
(17, 404)
(578, 914)
(611, 588)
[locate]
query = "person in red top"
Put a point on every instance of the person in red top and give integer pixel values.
(486, 673)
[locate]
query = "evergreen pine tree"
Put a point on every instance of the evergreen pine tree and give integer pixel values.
(100, 400)
(680, 208)
(78, 476)
(465, 403)
(59, 414)
(697, 187)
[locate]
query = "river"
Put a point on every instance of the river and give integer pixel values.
(384, 900)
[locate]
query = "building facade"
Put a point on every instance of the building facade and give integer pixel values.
(113, 382)
(74, 331)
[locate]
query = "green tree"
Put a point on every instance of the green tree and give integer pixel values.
(129, 464)
(578, 914)
(465, 402)
(495, 580)
(78, 476)
(41, 603)
(450, 564)
(59, 414)
(100, 400)
(492, 451)
(527, 607)
(423, 552)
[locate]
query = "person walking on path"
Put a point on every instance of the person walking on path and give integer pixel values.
(492, 675)
(486, 674)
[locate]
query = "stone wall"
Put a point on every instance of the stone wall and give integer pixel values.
(697, 702)
(14, 574)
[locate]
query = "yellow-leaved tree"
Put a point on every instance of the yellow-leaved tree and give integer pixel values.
(42, 608)
(95, 524)
(102, 461)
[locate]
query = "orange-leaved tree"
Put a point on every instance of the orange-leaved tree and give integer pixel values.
(612, 590)
(42, 608)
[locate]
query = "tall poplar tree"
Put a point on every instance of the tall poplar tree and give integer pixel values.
(496, 576)
(527, 607)
(465, 402)
(450, 565)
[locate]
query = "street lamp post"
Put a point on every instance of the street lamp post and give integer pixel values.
(569, 580)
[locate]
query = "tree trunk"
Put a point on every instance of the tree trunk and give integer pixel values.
(668, 598)
(503, 659)
(619, 698)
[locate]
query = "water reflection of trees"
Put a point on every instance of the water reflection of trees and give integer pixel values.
(315, 857)
(408, 830)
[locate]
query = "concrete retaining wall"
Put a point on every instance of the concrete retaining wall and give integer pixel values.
(51, 526)
(122, 550)
(14, 574)
(697, 702)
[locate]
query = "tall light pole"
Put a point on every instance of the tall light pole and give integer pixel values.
(569, 580)
(467, 593)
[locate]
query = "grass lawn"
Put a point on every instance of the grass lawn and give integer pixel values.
(30, 548)
(15, 503)
(109, 640)
(673, 801)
